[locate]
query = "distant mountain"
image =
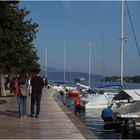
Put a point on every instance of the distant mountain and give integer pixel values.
(49, 69)
(57, 74)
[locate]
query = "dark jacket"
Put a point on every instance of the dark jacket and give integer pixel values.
(37, 85)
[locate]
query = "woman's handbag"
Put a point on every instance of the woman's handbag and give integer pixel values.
(24, 92)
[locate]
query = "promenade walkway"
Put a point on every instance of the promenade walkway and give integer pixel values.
(55, 121)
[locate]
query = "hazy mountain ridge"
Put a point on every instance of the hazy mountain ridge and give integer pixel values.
(56, 74)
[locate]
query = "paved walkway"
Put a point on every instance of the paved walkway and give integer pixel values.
(55, 121)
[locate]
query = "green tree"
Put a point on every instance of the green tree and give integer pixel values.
(17, 32)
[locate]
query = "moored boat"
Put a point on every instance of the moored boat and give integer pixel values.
(95, 101)
(73, 93)
(100, 99)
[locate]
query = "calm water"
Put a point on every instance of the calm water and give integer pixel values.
(92, 117)
(95, 84)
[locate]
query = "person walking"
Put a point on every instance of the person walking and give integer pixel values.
(20, 84)
(37, 85)
(29, 85)
(23, 93)
(46, 82)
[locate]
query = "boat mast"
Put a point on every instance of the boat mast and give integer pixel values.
(122, 41)
(89, 70)
(103, 62)
(64, 61)
(46, 63)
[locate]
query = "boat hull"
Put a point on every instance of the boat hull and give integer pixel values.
(73, 93)
(96, 101)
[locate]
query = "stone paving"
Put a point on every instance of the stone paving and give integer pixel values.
(55, 121)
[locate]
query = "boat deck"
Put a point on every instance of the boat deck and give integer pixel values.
(129, 115)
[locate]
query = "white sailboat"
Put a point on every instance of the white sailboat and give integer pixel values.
(60, 86)
(89, 69)
(46, 62)
(127, 102)
(103, 96)
(64, 61)
(66, 87)
(105, 99)
(82, 87)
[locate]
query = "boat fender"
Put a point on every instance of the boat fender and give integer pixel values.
(77, 102)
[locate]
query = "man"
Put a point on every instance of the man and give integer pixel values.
(46, 82)
(37, 85)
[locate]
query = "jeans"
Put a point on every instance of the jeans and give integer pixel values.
(35, 99)
(22, 106)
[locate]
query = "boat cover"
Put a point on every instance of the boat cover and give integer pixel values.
(133, 108)
(127, 94)
(83, 86)
(99, 99)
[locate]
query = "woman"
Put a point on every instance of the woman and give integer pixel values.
(21, 83)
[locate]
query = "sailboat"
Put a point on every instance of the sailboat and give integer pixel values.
(69, 90)
(102, 98)
(126, 103)
(86, 88)
(60, 86)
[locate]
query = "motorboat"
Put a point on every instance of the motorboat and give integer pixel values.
(126, 98)
(125, 107)
(69, 90)
(76, 91)
(83, 88)
(101, 98)
(73, 93)
(58, 87)
(97, 100)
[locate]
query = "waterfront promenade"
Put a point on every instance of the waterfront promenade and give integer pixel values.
(55, 121)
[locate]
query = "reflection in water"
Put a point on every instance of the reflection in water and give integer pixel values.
(79, 112)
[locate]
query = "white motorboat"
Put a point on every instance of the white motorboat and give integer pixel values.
(102, 97)
(97, 100)
(125, 98)
(126, 107)
(63, 89)
(129, 94)
(83, 88)
(58, 87)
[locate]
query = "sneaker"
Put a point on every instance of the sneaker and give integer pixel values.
(20, 117)
(31, 115)
(37, 116)
(25, 116)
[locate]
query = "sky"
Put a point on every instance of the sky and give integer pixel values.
(79, 22)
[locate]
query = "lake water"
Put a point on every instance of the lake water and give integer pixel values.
(92, 117)
(95, 84)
